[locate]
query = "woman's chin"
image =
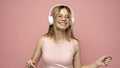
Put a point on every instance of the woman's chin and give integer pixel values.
(63, 28)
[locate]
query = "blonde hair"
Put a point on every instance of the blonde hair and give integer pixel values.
(51, 31)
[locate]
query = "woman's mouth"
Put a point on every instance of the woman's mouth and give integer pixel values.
(63, 23)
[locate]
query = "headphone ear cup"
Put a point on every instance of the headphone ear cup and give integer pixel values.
(73, 20)
(50, 20)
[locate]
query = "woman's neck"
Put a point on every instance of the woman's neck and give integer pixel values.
(60, 35)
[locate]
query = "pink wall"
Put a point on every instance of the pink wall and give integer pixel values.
(22, 22)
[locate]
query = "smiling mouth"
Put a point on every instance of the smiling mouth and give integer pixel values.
(63, 23)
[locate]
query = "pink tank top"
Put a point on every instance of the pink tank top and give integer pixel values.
(57, 54)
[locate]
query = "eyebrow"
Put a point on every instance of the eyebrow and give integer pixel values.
(65, 15)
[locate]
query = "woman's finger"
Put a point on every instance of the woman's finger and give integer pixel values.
(107, 60)
(104, 58)
(30, 64)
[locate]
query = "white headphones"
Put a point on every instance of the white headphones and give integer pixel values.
(50, 18)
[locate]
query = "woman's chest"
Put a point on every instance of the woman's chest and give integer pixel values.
(62, 53)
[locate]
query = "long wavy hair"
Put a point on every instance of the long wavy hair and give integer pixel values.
(51, 32)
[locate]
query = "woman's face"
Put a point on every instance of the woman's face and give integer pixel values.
(62, 20)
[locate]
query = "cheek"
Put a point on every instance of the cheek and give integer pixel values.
(57, 19)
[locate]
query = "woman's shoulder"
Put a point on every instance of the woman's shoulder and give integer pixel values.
(76, 44)
(42, 39)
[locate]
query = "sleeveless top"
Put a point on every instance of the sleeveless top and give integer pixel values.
(57, 54)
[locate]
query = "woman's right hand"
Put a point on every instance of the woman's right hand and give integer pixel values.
(30, 64)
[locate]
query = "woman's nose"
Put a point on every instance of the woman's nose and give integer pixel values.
(63, 18)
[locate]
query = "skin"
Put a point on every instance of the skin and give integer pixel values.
(62, 22)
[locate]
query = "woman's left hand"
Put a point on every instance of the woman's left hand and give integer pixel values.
(103, 61)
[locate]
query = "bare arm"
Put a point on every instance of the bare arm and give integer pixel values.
(76, 59)
(36, 55)
(102, 61)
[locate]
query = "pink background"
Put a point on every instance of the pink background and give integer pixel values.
(22, 22)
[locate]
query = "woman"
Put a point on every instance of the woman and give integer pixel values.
(59, 48)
